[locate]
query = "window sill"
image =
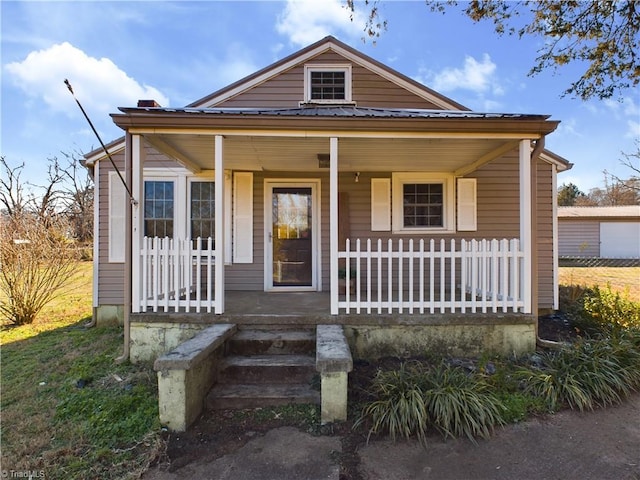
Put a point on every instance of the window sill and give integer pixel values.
(423, 231)
(330, 103)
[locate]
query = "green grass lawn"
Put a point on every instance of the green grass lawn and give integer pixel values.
(68, 410)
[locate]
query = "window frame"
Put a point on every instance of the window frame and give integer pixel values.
(344, 68)
(399, 179)
(165, 179)
(190, 182)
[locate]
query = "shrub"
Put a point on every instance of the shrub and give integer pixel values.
(414, 398)
(598, 310)
(400, 407)
(609, 309)
(460, 404)
(600, 371)
(36, 260)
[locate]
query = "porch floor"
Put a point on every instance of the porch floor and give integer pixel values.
(313, 308)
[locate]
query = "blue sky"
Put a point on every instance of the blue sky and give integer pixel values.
(115, 53)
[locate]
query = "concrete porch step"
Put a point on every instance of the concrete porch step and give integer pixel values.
(261, 369)
(272, 342)
(226, 396)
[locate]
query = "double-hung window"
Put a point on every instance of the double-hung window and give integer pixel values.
(327, 84)
(159, 203)
(423, 203)
(202, 210)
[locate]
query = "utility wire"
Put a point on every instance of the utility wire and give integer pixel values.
(131, 199)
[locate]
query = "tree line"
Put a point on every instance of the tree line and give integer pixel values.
(616, 191)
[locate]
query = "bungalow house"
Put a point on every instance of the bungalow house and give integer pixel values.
(254, 204)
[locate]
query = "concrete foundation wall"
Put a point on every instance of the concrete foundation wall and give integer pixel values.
(151, 340)
(372, 342)
(106, 315)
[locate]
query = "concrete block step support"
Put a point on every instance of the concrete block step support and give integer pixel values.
(266, 369)
(272, 342)
(229, 396)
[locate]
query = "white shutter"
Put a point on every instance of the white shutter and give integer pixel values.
(243, 217)
(467, 205)
(117, 210)
(228, 254)
(380, 204)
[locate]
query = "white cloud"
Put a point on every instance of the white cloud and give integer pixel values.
(477, 76)
(569, 128)
(307, 21)
(634, 129)
(98, 83)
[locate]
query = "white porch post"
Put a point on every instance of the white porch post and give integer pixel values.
(137, 231)
(333, 222)
(219, 226)
(525, 220)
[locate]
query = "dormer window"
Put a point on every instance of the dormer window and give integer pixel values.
(327, 84)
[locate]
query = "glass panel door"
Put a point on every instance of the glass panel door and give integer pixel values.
(292, 236)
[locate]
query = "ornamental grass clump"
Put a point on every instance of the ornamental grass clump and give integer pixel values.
(399, 408)
(460, 404)
(591, 372)
(416, 398)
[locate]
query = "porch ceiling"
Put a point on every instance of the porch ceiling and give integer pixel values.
(196, 152)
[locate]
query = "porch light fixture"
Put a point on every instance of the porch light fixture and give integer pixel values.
(323, 160)
(357, 177)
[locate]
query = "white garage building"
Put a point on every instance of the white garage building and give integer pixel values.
(601, 232)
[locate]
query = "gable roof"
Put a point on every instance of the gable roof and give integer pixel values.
(449, 110)
(328, 43)
(621, 211)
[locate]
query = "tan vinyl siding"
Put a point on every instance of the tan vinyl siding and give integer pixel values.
(287, 89)
(544, 231)
(110, 275)
(578, 238)
(250, 276)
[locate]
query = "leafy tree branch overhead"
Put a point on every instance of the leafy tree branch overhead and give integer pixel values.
(604, 36)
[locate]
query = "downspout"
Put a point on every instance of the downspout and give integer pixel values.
(535, 155)
(127, 255)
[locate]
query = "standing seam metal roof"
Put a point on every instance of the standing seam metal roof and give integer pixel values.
(337, 111)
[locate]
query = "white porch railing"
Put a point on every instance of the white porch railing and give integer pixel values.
(177, 274)
(479, 276)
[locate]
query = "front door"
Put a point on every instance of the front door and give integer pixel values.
(290, 236)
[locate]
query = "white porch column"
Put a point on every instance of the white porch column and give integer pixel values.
(219, 226)
(333, 222)
(137, 221)
(526, 236)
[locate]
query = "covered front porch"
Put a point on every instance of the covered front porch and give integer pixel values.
(389, 269)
